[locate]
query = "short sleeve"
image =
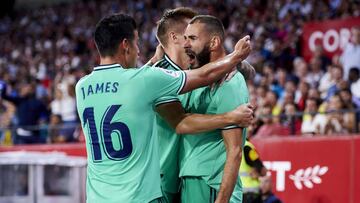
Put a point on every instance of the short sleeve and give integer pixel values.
(230, 95)
(166, 99)
(164, 84)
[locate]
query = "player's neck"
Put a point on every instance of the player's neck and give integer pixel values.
(217, 54)
(112, 60)
(176, 57)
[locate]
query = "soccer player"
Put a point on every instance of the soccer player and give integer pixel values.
(209, 162)
(115, 104)
(170, 33)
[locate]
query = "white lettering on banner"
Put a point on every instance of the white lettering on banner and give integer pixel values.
(280, 167)
(331, 40)
(313, 37)
(326, 43)
(306, 177)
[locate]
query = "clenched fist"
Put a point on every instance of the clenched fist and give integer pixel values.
(243, 115)
(243, 47)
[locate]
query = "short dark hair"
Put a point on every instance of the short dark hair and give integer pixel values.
(213, 25)
(346, 89)
(111, 30)
(316, 100)
(172, 18)
(354, 70)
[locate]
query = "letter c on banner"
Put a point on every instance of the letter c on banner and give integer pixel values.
(313, 37)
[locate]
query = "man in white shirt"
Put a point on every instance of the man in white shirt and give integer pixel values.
(351, 54)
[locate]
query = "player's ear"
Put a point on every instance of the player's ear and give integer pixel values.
(124, 46)
(215, 42)
(173, 37)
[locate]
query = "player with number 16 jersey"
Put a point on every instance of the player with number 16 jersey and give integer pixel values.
(115, 107)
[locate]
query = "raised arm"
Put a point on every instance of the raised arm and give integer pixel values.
(233, 141)
(213, 71)
(16, 100)
(184, 123)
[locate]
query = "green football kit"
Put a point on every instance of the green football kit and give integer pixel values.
(116, 109)
(203, 156)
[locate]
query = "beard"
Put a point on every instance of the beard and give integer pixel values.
(204, 56)
(200, 59)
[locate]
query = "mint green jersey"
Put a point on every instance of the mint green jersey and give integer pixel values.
(116, 109)
(168, 139)
(204, 154)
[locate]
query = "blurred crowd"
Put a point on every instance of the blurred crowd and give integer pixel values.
(45, 51)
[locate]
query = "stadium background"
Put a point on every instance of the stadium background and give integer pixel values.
(46, 46)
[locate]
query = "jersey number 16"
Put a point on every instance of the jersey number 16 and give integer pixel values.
(106, 129)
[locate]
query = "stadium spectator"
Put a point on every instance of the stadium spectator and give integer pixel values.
(251, 169)
(7, 111)
(30, 112)
(314, 75)
(288, 96)
(266, 190)
(319, 53)
(351, 54)
(260, 95)
(337, 121)
(301, 95)
(300, 68)
(351, 105)
(54, 135)
(279, 83)
(291, 121)
(354, 75)
(350, 102)
(65, 106)
(314, 93)
(55, 105)
(269, 127)
(336, 81)
(271, 99)
(327, 81)
(311, 109)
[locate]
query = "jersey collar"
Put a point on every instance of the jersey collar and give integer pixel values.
(167, 58)
(107, 66)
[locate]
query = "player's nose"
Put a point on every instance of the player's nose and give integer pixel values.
(187, 43)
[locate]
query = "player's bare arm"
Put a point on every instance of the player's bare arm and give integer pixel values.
(188, 123)
(232, 140)
(213, 71)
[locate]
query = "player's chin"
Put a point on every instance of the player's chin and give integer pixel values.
(194, 64)
(192, 61)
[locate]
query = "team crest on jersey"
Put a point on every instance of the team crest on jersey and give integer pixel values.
(174, 74)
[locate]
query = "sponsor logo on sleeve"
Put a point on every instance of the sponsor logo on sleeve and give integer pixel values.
(174, 74)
